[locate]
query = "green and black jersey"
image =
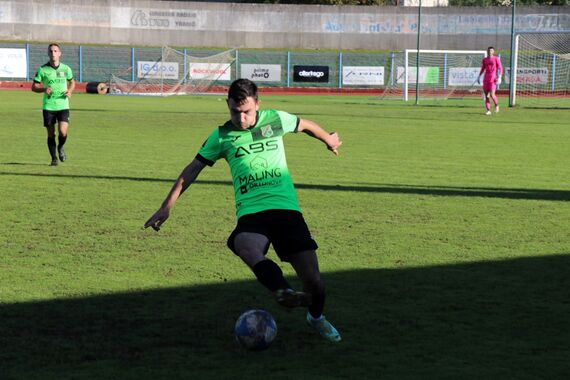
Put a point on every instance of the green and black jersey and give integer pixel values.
(256, 157)
(56, 78)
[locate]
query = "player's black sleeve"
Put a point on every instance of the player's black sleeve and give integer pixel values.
(204, 160)
(298, 122)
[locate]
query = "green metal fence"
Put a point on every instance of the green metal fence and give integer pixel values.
(99, 63)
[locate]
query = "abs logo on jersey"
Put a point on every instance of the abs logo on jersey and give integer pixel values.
(257, 147)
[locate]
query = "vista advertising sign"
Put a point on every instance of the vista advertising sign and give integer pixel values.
(464, 76)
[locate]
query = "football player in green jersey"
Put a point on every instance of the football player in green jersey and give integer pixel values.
(266, 204)
(55, 81)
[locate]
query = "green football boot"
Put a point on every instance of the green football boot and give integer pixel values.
(324, 328)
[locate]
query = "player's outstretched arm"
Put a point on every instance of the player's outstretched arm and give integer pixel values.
(331, 140)
(185, 179)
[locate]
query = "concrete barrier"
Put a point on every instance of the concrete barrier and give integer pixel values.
(224, 25)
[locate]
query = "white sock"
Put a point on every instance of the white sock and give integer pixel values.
(315, 319)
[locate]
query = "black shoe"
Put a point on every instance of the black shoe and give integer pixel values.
(62, 156)
(53, 162)
(292, 298)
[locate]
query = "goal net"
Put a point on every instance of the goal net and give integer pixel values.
(443, 74)
(176, 73)
(542, 66)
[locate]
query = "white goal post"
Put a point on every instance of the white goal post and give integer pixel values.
(176, 73)
(442, 73)
(541, 67)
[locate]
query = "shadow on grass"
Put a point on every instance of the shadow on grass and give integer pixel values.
(446, 191)
(478, 113)
(505, 319)
(153, 111)
(23, 164)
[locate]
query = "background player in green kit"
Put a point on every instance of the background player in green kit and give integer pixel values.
(55, 80)
(266, 203)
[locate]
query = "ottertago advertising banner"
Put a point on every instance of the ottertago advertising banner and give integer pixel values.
(305, 73)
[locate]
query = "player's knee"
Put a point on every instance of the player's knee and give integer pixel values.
(250, 256)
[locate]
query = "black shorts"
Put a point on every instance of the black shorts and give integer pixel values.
(285, 229)
(51, 117)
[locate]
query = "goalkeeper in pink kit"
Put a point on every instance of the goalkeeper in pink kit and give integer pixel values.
(493, 70)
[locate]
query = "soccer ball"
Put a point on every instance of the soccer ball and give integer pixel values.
(255, 330)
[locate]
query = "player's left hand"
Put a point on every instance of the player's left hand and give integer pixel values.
(67, 94)
(333, 143)
(499, 80)
(157, 219)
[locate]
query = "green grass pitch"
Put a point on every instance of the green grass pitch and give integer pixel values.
(444, 243)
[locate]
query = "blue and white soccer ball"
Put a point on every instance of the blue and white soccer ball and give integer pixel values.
(255, 330)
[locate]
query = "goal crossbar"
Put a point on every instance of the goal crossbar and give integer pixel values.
(407, 63)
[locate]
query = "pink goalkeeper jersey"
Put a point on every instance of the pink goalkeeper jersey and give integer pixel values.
(490, 66)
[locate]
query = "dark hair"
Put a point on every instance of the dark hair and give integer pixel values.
(490, 47)
(241, 89)
(54, 44)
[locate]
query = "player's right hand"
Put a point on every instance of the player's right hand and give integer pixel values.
(333, 142)
(157, 219)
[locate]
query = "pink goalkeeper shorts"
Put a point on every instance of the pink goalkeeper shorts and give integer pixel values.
(488, 87)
